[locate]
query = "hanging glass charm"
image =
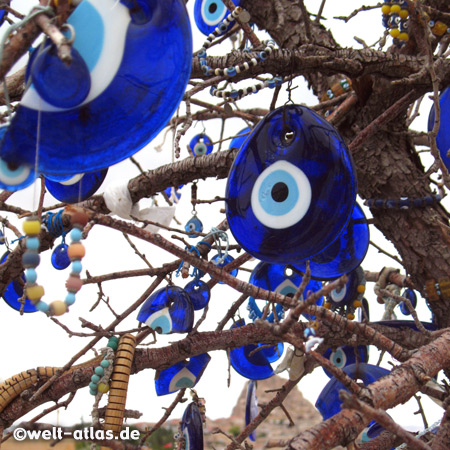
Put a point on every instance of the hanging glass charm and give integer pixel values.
(185, 374)
(251, 407)
(194, 226)
(60, 259)
(168, 310)
(443, 135)
(199, 293)
(112, 100)
(328, 403)
(221, 261)
(77, 188)
(200, 145)
(14, 292)
(237, 141)
(345, 254)
(292, 176)
(192, 428)
(208, 14)
(412, 297)
(345, 356)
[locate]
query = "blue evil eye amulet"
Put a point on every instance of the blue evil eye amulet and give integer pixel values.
(443, 136)
(345, 356)
(208, 14)
(200, 145)
(192, 428)
(251, 407)
(292, 187)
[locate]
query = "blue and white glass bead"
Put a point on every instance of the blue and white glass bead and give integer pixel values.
(208, 14)
(292, 176)
(134, 88)
(251, 407)
(345, 355)
(240, 138)
(184, 374)
(347, 294)
(412, 297)
(168, 310)
(200, 145)
(328, 403)
(77, 188)
(199, 293)
(14, 292)
(194, 226)
(345, 254)
(249, 363)
(219, 261)
(173, 194)
(443, 136)
(192, 428)
(60, 259)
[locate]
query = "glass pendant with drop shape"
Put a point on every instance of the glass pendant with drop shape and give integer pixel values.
(192, 428)
(251, 407)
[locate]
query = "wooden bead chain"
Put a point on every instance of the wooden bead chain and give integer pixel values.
(30, 260)
(115, 409)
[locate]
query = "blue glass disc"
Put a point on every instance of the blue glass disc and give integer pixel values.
(200, 145)
(284, 186)
(184, 374)
(251, 407)
(328, 403)
(443, 136)
(14, 292)
(60, 258)
(226, 261)
(345, 253)
(248, 362)
(135, 88)
(78, 191)
(345, 355)
(168, 310)
(192, 428)
(349, 292)
(240, 138)
(199, 293)
(208, 14)
(412, 297)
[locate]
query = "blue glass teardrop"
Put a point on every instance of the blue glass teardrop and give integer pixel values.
(80, 190)
(192, 428)
(135, 88)
(412, 297)
(194, 224)
(184, 374)
(292, 187)
(60, 258)
(168, 310)
(443, 136)
(345, 253)
(200, 145)
(345, 355)
(251, 407)
(199, 293)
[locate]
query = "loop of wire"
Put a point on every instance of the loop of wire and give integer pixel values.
(53, 223)
(218, 236)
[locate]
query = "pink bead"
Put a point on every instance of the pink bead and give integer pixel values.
(73, 284)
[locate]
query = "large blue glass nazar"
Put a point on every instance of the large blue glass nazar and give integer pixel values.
(291, 189)
(443, 136)
(208, 14)
(77, 188)
(168, 310)
(139, 62)
(14, 292)
(192, 428)
(328, 403)
(251, 407)
(184, 374)
(345, 253)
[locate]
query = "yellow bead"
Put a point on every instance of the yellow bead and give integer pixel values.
(76, 251)
(103, 388)
(394, 32)
(404, 13)
(361, 289)
(327, 305)
(439, 28)
(403, 37)
(350, 316)
(357, 303)
(58, 308)
(386, 9)
(35, 292)
(31, 227)
(395, 9)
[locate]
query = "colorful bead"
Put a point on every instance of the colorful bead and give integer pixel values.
(386, 9)
(92, 386)
(99, 371)
(74, 283)
(350, 316)
(92, 392)
(30, 259)
(30, 275)
(76, 251)
(58, 308)
(32, 243)
(105, 363)
(103, 388)
(70, 299)
(77, 267)
(43, 307)
(34, 292)
(113, 343)
(31, 227)
(76, 234)
(95, 378)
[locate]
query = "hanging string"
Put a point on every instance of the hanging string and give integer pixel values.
(219, 235)
(54, 224)
(195, 272)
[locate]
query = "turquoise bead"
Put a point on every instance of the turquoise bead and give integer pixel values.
(32, 243)
(42, 306)
(95, 379)
(99, 371)
(76, 235)
(92, 392)
(105, 364)
(70, 298)
(76, 267)
(31, 275)
(92, 386)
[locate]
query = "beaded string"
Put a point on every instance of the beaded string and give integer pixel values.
(404, 202)
(30, 260)
(237, 94)
(99, 384)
